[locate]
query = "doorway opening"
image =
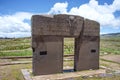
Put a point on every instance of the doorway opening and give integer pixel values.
(69, 52)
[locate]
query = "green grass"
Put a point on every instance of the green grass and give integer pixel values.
(15, 47)
(110, 45)
(16, 53)
(22, 46)
(13, 72)
(14, 44)
(68, 45)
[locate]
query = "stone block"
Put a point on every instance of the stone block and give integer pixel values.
(48, 32)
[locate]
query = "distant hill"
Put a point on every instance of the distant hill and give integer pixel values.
(111, 35)
(102, 35)
(15, 38)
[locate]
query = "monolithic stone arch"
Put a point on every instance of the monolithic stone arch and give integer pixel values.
(48, 32)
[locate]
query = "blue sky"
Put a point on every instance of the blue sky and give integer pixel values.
(15, 15)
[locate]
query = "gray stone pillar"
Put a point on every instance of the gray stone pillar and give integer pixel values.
(87, 47)
(47, 55)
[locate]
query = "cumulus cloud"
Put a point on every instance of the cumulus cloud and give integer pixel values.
(15, 34)
(15, 25)
(92, 10)
(59, 8)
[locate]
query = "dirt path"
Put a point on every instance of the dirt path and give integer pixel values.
(114, 58)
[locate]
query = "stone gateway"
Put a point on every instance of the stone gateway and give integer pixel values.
(48, 32)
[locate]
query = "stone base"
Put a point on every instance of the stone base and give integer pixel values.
(66, 75)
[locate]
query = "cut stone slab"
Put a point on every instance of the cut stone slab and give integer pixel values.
(68, 75)
(62, 75)
(26, 74)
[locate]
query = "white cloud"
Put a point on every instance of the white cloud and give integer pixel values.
(15, 24)
(115, 6)
(59, 8)
(15, 34)
(104, 14)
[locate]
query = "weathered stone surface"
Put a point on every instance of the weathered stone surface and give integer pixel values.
(47, 42)
(47, 55)
(58, 25)
(91, 28)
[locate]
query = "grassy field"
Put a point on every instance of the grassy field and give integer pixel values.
(22, 46)
(15, 47)
(110, 45)
(13, 72)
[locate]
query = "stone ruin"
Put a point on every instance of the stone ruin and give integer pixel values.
(48, 32)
